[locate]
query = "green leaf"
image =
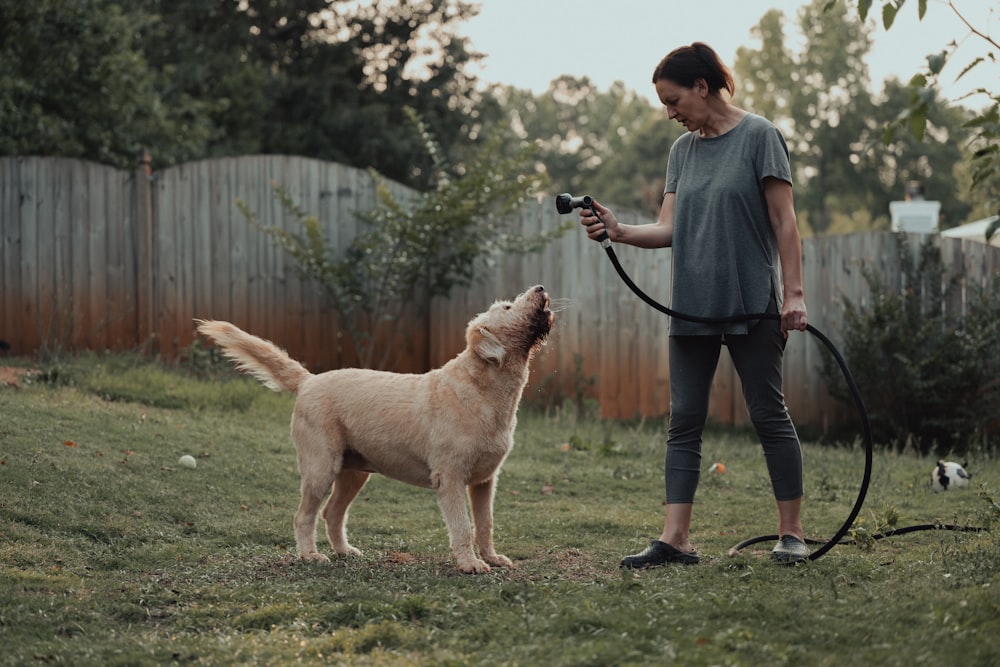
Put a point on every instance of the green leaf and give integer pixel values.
(864, 6)
(888, 15)
(969, 67)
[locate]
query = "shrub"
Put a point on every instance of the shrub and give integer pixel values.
(929, 377)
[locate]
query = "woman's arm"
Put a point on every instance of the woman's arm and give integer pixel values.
(657, 235)
(781, 210)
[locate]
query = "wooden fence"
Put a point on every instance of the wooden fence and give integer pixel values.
(96, 258)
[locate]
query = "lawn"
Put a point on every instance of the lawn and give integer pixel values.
(111, 553)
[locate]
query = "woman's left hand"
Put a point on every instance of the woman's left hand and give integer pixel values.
(793, 314)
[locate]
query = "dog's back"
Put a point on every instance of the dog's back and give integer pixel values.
(261, 358)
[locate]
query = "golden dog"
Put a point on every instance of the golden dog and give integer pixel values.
(449, 430)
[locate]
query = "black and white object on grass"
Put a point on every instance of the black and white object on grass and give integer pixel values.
(949, 475)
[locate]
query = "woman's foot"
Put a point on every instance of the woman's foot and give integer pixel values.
(790, 550)
(659, 553)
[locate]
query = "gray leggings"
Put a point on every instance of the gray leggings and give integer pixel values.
(757, 359)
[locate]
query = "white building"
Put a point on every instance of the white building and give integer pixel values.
(975, 231)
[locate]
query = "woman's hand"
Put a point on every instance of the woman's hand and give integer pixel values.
(793, 314)
(594, 225)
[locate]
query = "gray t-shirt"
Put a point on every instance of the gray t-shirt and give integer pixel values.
(725, 254)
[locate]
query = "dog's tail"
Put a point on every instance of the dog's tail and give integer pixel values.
(261, 358)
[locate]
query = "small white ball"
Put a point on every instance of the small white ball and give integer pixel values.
(187, 461)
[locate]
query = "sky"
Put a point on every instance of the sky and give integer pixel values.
(528, 43)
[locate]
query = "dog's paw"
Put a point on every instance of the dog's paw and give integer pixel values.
(314, 557)
(348, 551)
(473, 566)
(498, 560)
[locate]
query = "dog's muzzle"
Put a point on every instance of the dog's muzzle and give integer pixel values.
(544, 318)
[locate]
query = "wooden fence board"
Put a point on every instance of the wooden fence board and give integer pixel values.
(79, 266)
(32, 282)
(12, 324)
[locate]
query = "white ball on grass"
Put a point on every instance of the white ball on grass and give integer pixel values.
(187, 461)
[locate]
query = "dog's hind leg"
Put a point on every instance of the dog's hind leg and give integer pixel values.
(313, 493)
(345, 488)
(481, 496)
(451, 497)
(318, 467)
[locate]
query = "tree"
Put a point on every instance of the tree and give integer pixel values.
(845, 175)
(985, 144)
(321, 78)
(190, 79)
(936, 162)
(75, 83)
(830, 100)
(764, 77)
(611, 144)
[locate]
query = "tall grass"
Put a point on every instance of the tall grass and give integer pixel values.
(113, 554)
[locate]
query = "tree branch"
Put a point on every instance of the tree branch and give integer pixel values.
(970, 26)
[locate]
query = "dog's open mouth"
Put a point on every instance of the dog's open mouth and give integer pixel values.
(544, 317)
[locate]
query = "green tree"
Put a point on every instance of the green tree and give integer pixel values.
(189, 79)
(845, 174)
(612, 144)
(936, 161)
(323, 78)
(635, 173)
(75, 83)
(830, 100)
(764, 76)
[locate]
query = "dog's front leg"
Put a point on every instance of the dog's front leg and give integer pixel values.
(451, 497)
(481, 496)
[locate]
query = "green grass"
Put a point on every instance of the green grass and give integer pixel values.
(113, 554)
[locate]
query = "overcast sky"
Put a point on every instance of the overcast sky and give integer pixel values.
(531, 42)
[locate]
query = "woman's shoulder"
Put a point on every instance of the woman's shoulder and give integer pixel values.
(758, 123)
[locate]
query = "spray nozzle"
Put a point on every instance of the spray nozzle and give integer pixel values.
(566, 202)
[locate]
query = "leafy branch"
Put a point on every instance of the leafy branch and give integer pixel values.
(418, 245)
(985, 142)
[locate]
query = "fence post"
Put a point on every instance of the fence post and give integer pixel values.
(144, 252)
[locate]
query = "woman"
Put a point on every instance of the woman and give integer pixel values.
(729, 216)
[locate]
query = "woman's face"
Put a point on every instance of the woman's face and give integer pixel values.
(685, 105)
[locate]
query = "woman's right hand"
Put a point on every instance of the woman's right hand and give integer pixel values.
(598, 227)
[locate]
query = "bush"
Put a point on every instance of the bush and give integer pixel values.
(929, 378)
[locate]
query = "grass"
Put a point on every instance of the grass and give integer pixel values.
(113, 554)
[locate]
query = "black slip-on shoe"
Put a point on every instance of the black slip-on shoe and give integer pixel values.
(656, 554)
(790, 550)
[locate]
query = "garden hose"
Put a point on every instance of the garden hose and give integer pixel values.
(566, 203)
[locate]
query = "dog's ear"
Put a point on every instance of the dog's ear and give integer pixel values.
(484, 343)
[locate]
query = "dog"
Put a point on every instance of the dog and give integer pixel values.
(449, 430)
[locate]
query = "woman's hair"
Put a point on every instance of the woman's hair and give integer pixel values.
(686, 64)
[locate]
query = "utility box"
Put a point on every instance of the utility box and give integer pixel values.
(917, 215)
